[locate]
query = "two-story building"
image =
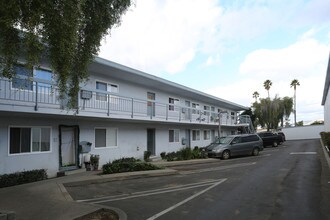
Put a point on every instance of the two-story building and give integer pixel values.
(121, 112)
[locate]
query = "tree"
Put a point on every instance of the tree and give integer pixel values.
(294, 84)
(300, 123)
(66, 33)
(267, 85)
(317, 122)
(269, 113)
(255, 95)
(287, 103)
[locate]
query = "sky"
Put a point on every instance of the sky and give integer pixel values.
(229, 48)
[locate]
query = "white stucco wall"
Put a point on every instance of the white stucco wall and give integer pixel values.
(10, 163)
(132, 141)
(303, 132)
(327, 113)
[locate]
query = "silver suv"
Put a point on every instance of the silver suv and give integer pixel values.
(234, 145)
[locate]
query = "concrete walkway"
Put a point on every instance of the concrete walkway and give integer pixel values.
(49, 199)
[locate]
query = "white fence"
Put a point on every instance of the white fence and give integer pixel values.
(303, 132)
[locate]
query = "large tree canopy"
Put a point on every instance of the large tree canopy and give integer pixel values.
(269, 113)
(66, 32)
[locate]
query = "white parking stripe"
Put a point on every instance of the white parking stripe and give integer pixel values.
(148, 192)
(303, 153)
(184, 201)
(217, 168)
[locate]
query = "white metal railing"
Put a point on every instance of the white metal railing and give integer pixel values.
(40, 94)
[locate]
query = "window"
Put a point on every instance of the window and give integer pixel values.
(195, 106)
(196, 135)
(29, 139)
(107, 88)
(172, 102)
(250, 138)
(207, 110)
(207, 134)
(44, 75)
(105, 137)
(232, 115)
(173, 135)
(20, 83)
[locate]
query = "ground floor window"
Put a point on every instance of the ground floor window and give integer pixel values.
(106, 137)
(174, 135)
(29, 139)
(196, 136)
(207, 134)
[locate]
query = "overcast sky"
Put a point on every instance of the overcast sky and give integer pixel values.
(229, 48)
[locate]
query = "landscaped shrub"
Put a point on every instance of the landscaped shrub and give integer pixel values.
(326, 139)
(163, 155)
(146, 156)
(22, 177)
(127, 165)
(186, 154)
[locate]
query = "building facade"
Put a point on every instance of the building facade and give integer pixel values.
(121, 112)
(326, 100)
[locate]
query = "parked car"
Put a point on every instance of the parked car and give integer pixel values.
(234, 145)
(271, 139)
(283, 135)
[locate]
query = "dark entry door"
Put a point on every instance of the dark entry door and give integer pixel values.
(151, 141)
(188, 137)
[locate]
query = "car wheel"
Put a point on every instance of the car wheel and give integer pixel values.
(275, 144)
(226, 155)
(255, 151)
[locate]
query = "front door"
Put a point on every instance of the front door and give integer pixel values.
(69, 146)
(151, 141)
(151, 104)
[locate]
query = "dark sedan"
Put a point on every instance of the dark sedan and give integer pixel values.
(271, 139)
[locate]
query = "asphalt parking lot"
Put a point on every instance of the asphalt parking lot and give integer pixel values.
(287, 182)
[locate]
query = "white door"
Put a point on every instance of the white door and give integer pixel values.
(68, 146)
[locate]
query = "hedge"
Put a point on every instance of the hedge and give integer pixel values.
(22, 177)
(129, 164)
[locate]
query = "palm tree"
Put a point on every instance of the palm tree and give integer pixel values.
(267, 85)
(294, 84)
(256, 95)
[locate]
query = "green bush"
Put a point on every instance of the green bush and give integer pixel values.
(127, 165)
(186, 154)
(22, 177)
(163, 155)
(146, 156)
(325, 136)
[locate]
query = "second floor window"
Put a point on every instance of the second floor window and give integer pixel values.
(107, 88)
(172, 102)
(22, 82)
(195, 107)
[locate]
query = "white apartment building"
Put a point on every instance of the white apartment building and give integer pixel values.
(121, 112)
(326, 100)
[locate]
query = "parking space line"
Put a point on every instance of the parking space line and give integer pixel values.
(304, 153)
(217, 168)
(185, 201)
(149, 192)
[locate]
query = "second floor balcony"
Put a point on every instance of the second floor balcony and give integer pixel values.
(38, 96)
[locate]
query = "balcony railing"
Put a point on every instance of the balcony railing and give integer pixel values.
(39, 94)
